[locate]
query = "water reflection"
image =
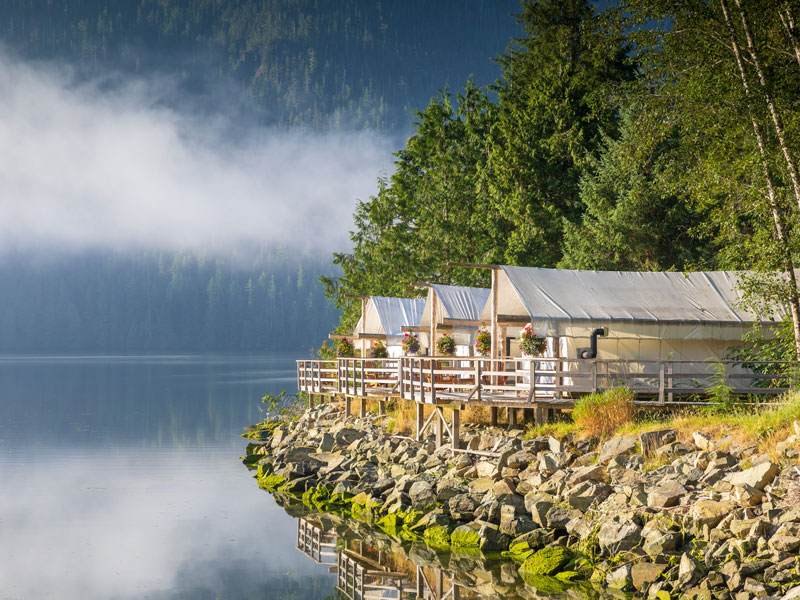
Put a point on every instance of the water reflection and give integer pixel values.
(121, 479)
(371, 564)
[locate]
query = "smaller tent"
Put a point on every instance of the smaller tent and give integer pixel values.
(383, 319)
(455, 310)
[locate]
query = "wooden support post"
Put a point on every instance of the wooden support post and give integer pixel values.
(594, 376)
(434, 316)
(670, 384)
(532, 394)
(381, 407)
(493, 416)
(493, 314)
(439, 427)
(401, 376)
(362, 409)
(539, 416)
(420, 583)
(456, 441)
(661, 374)
(310, 400)
(439, 584)
(512, 416)
(347, 401)
(363, 379)
(420, 419)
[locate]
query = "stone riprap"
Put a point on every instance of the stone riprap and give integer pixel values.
(700, 519)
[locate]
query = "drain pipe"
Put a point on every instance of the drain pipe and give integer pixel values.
(592, 351)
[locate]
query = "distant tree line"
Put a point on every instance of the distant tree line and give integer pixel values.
(647, 135)
(353, 63)
(150, 301)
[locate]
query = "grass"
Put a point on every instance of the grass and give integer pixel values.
(610, 415)
(599, 415)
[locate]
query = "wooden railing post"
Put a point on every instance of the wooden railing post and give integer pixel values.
(433, 381)
(456, 427)
(363, 379)
(478, 379)
(532, 382)
(661, 382)
(594, 376)
(401, 377)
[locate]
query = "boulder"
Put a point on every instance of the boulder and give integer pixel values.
(589, 473)
(462, 507)
(617, 447)
(689, 572)
(619, 578)
(711, 512)
(619, 536)
(547, 561)
(520, 460)
(653, 440)
(702, 441)
(747, 495)
(758, 477)
(665, 495)
(538, 504)
(422, 495)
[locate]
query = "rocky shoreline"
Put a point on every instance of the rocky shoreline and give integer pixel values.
(646, 515)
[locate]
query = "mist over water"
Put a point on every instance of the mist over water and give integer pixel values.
(108, 163)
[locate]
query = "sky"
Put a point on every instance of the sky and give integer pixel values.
(109, 163)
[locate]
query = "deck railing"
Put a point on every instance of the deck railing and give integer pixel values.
(442, 380)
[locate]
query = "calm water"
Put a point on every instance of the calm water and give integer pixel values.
(120, 478)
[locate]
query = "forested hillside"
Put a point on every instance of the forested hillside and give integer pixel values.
(353, 63)
(285, 64)
(107, 302)
(646, 135)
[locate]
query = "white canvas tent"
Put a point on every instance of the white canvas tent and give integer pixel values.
(648, 315)
(457, 310)
(383, 318)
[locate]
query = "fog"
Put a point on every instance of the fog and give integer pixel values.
(106, 163)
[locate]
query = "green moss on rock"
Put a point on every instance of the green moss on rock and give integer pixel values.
(464, 537)
(545, 584)
(546, 561)
(437, 536)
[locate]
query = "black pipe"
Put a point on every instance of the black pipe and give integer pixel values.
(592, 351)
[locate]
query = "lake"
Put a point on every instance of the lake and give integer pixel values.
(121, 479)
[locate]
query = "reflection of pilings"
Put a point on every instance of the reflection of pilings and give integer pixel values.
(361, 578)
(318, 545)
(432, 588)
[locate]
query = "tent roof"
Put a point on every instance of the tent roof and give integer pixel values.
(456, 302)
(387, 316)
(557, 295)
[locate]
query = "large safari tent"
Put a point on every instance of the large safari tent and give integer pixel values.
(647, 316)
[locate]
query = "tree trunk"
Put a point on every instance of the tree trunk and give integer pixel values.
(770, 101)
(787, 18)
(777, 215)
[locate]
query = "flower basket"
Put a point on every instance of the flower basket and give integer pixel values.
(345, 349)
(530, 343)
(410, 344)
(378, 350)
(483, 343)
(446, 346)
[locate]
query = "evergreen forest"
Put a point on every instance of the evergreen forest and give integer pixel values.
(639, 135)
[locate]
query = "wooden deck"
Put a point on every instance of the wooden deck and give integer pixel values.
(543, 385)
(519, 382)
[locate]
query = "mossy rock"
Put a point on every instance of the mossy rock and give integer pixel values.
(546, 561)
(437, 536)
(404, 533)
(251, 460)
(271, 482)
(465, 537)
(391, 524)
(546, 584)
(363, 513)
(567, 576)
(518, 551)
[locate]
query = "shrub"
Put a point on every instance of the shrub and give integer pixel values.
(483, 343)
(600, 415)
(378, 350)
(445, 346)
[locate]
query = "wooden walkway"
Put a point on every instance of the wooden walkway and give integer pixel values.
(543, 385)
